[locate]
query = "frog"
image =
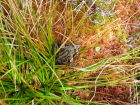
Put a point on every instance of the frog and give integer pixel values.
(66, 53)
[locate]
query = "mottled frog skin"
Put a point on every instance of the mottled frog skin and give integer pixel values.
(66, 54)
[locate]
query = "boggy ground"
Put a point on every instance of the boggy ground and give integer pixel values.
(111, 38)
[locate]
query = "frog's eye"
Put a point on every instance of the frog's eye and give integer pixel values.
(76, 49)
(77, 46)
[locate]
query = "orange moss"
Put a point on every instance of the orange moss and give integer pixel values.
(129, 13)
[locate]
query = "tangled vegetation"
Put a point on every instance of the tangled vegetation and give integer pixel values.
(69, 52)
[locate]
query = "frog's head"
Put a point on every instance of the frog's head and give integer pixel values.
(77, 48)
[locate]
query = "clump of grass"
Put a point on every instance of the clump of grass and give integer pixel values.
(27, 61)
(27, 65)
